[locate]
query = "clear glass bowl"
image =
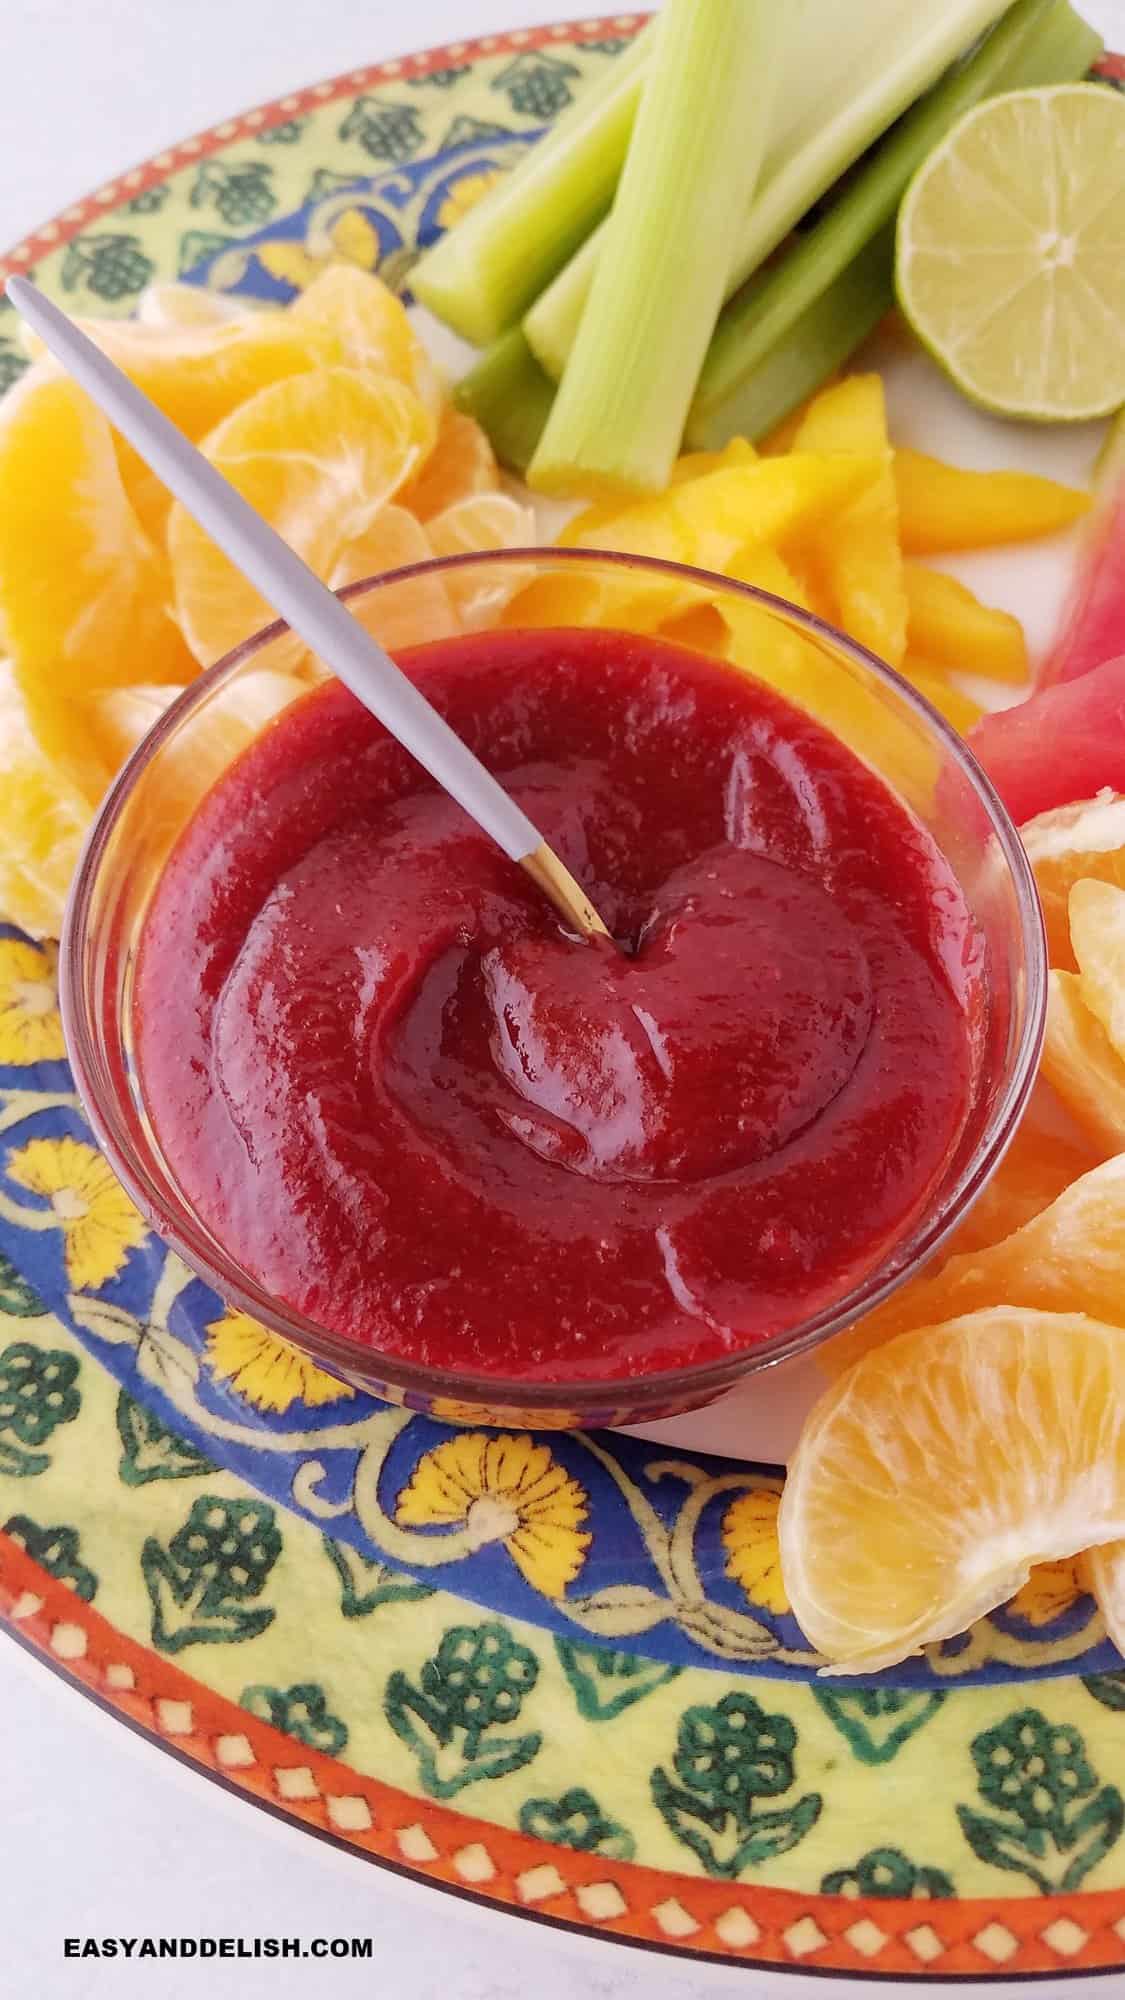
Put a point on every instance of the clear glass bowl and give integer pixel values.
(891, 727)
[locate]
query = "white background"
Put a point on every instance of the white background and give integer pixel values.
(99, 1832)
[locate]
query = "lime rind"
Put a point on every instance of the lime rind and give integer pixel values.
(1010, 255)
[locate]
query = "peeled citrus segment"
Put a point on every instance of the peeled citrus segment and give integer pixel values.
(175, 305)
(407, 612)
(367, 326)
(83, 593)
(45, 822)
(462, 463)
(941, 1468)
(1071, 1258)
(1105, 1579)
(1010, 260)
(1065, 846)
(1082, 1065)
(1049, 1151)
(486, 521)
(1097, 931)
(318, 456)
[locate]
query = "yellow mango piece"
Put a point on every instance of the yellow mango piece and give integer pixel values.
(762, 567)
(780, 439)
(944, 507)
(950, 627)
(958, 708)
(694, 464)
(706, 521)
(860, 564)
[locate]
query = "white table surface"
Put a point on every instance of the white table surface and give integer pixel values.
(100, 1833)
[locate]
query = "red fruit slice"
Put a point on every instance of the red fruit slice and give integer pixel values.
(1093, 623)
(1063, 744)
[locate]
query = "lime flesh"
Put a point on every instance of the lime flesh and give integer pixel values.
(1011, 253)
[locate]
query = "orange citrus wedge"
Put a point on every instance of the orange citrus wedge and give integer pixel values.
(460, 465)
(1082, 1065)
(1097, 932)
(84, 594)
(934, 1475)
(318, 455)
(1065, 846)
(1071, 1258)
(45, 822)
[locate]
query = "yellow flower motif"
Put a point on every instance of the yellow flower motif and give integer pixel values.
(1050, 1590)
(749, 1534)
(265, 1370)
(30, 1028)
(466, 193)
(504, 1489)
(447, 1410)
(99, 1223)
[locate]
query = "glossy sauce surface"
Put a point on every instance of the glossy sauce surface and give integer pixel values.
(416, 1110)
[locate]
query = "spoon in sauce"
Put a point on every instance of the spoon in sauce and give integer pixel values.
(307, 605)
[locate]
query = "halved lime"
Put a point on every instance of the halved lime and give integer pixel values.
(1011, 253)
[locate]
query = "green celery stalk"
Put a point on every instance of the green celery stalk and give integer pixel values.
(697, 144)
(510, 397)
(883, 55)
(482, 275)
(746, 379)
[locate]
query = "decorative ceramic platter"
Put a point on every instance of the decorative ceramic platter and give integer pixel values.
(557, 1672)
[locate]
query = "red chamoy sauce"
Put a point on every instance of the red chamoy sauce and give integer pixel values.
(416, 1110)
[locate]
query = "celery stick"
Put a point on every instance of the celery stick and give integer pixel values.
(883, 56)
(510, 396)
(482, 275)
(1036, 41)
(619, 414)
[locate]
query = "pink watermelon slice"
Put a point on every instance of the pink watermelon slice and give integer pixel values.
(1093, 623)
(1063, 744)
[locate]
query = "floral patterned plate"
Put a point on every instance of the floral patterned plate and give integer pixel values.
(556, 1672)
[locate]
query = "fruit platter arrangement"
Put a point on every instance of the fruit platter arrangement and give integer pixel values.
(386, 1196)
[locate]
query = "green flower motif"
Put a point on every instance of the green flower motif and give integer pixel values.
(728, 1757)
(12, 364)
(57, 1551)
(459, 1720)
(108, 264)
(300, 1711)
(385, 130)
(1032, 1768)
(241, 191)
(1109, 1689)
(17, 1298)
(439, 79)
(366, 1584)
(876, 1722)
(283, 135)
(150, 201)
(149, 1450)
(1057, 1824)
(37, 1394)
(885, 1871)
(576, 1820)
(201, 1584)
(538, 85)
(196, 244)
(605, 1683)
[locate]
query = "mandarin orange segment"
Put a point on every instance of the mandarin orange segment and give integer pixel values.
(405, 613)
(1072, 843)
(318, 456)
(1048, 1152)
(366, 326)
(83, 593)
(1097, 930)
(1070, 1258)
(485, 521)
(941, 1468)
(45, 822)
(461, 464)
(1082, 1065)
